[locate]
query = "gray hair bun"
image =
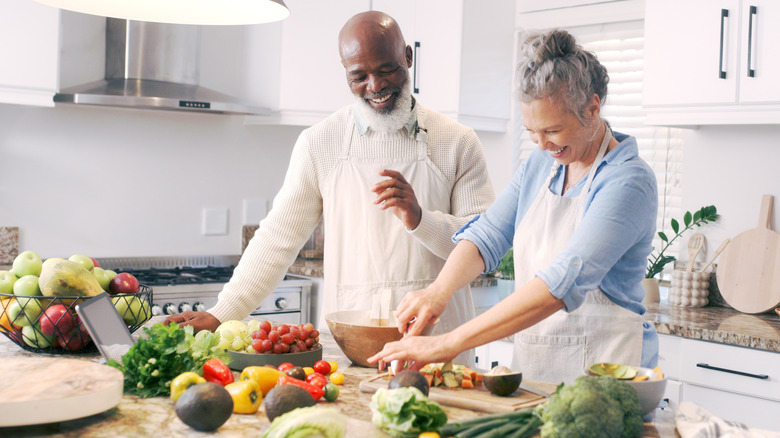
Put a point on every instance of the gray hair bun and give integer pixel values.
(554, 65)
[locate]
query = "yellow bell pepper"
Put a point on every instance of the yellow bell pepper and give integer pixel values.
(246, 396)
(265, 377)
(182, 382)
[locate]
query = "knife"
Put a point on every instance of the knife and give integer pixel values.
(526, 387)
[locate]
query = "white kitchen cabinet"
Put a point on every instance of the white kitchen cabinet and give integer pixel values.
(726, 380)
(711, 62)
(463, 57)
(29, 49)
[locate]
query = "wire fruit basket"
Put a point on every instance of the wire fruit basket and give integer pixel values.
(51, 325)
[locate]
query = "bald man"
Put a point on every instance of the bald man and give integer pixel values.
(391, 179)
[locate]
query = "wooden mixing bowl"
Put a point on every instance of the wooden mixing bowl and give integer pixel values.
(358, 339)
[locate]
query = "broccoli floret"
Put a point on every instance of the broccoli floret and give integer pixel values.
(629, 403)
(581, 410)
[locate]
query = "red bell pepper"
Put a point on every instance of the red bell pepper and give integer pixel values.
(214, 370)
(315, 392)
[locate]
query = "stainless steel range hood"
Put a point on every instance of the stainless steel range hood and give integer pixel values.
(154, 66)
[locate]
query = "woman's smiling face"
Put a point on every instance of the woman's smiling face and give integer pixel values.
(560, 132)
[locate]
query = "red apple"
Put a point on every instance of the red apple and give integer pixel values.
(74, 340)
(57, 320)
(95, 262)
(123, 283)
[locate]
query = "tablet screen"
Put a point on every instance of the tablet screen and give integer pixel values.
(105, 326)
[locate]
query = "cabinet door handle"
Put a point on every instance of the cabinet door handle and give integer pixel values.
(724, 15)
(751, 42)
(726, 370)
(416, 68)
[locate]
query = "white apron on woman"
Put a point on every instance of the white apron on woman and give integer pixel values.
(561, 347)
(369, 250)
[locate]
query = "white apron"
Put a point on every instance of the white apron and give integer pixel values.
(369, 250)
(561, 347)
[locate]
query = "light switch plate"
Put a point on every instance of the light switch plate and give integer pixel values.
(255, 210)
(215, 221)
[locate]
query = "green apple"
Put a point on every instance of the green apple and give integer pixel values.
(24, 311)
(27, 285)
(32, 336)
(103, 276)
(27, 263)
(7, 280)
(83, 260)
(133, 310)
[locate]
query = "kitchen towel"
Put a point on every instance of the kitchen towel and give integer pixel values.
(693, 421)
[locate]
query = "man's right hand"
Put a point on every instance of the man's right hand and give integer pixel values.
(198, 320)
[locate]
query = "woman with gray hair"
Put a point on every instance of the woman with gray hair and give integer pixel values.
(580, 214)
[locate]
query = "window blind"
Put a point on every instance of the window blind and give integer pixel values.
(619, 47)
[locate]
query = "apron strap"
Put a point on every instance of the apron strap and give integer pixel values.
(599, 157)
(350, 131)
(421, 136)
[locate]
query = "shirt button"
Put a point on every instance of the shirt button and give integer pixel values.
(576, 263)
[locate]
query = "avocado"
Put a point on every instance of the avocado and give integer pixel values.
(205, 406)
(410, 378)
(284, 398)
(501, 381)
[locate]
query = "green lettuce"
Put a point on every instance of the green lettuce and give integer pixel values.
(162, 354)
(406, 412)
(308, 422)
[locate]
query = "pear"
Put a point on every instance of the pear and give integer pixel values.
(64, 278)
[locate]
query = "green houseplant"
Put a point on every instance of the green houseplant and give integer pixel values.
(507, 266)
(657, 260)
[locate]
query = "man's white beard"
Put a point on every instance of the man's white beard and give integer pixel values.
(392, 121)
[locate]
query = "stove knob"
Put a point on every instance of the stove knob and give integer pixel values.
(184, 307)
(156, 310)
(281, 303)
(198, 307)
(169, 309)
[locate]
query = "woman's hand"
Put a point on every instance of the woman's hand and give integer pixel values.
(198, 320)
(420, 308)
(417, 351)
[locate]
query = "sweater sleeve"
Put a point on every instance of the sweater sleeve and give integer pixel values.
(296, 210)
(472, 193)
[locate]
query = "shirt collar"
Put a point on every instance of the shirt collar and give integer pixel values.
(624, 151)
(410, 126)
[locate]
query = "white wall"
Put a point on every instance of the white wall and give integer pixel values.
(731, 167)
(112, 182)
(115, 182)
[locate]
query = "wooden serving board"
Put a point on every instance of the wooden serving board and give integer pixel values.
(46, 390)
(475, 399)
(748, 272)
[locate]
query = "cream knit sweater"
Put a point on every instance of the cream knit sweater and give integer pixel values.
(453, 148)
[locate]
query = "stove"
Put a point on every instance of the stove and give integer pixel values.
(187, 283)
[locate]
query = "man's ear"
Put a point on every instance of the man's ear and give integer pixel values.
(409, 56)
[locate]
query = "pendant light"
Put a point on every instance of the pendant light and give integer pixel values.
(206, 12)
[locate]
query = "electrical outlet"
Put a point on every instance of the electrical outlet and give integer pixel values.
(254, 211)
(215, 221)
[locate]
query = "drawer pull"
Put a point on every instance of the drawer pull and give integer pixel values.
(726, 370)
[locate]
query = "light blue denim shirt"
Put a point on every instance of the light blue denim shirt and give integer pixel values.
(610, 247)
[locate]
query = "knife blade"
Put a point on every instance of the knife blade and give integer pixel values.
(526, 387)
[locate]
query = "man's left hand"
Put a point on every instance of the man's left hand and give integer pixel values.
(397, 194)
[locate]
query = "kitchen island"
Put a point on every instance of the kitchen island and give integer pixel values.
(137, 417)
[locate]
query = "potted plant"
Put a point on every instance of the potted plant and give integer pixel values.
(658, 260)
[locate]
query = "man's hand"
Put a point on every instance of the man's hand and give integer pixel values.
(198, 320)
(397, 194)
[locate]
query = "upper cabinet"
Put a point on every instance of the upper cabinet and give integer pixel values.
(711, 62)
(462, 62)
(29, 48)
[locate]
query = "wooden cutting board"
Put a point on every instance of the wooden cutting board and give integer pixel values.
(46, 390)
(748, 272)
(475, 399)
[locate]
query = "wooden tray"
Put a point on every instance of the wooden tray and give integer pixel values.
(46, 390)
(475, 399)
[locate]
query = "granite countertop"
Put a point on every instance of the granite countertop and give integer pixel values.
(155, 416)
(314, 268)
(717, 324)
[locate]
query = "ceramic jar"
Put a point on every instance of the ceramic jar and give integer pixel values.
(689, 289)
